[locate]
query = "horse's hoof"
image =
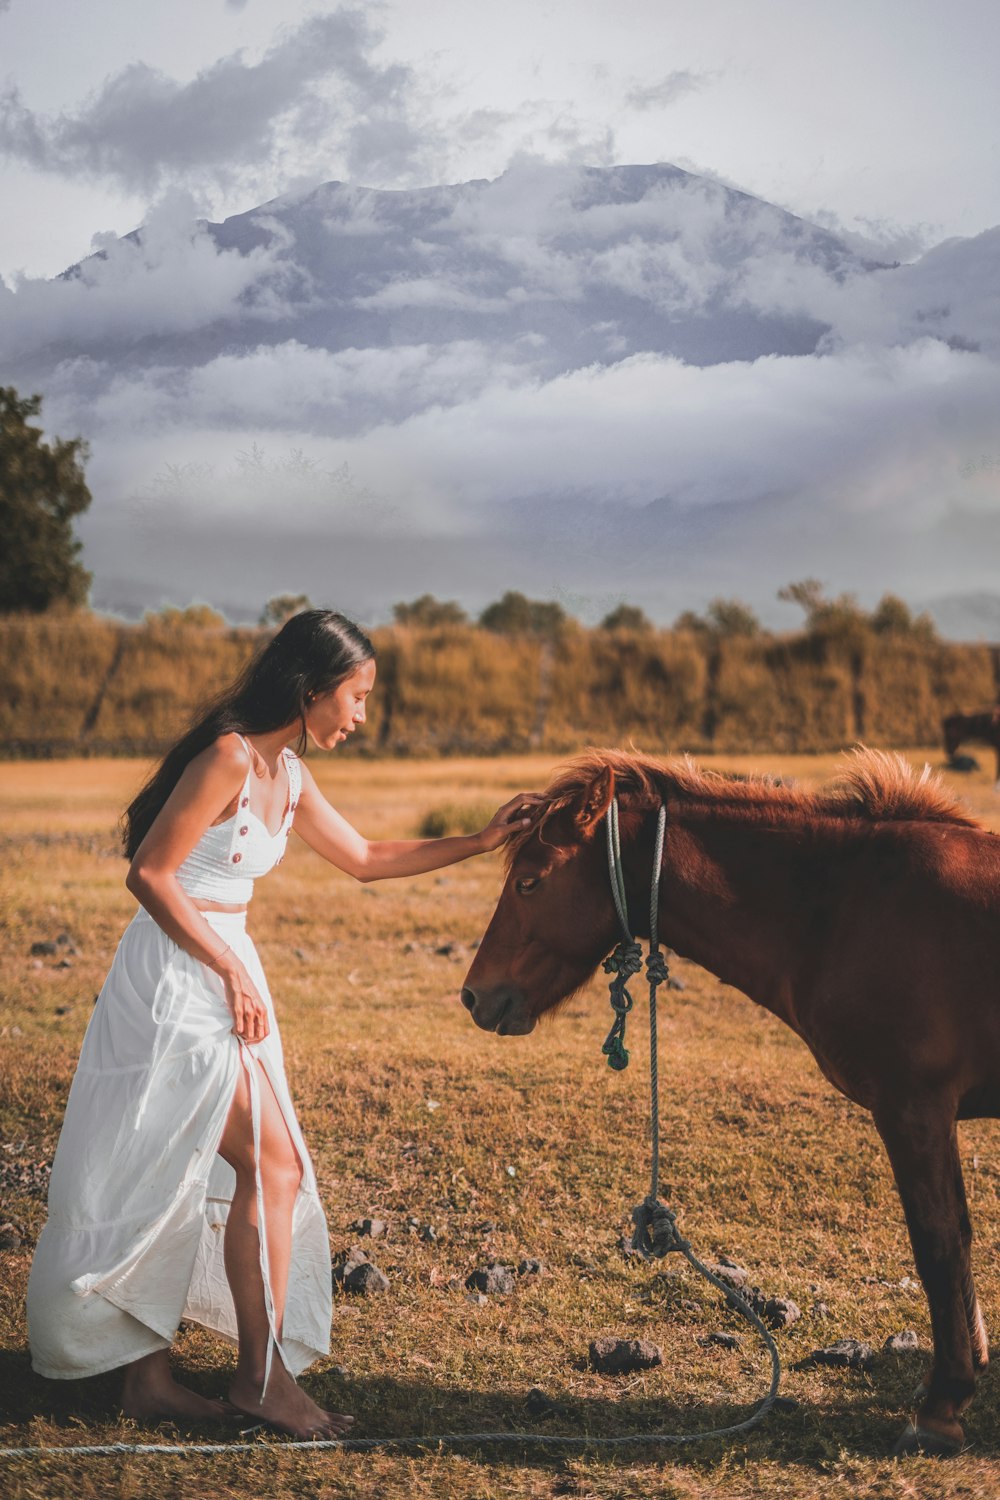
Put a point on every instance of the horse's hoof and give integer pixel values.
(930, 1441)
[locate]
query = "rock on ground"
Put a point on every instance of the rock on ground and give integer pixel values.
(847, 1354)
(494, 1279)
(366, 1280)
(897, 1343)
(610, 1356)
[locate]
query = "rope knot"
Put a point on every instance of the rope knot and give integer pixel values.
(626, 960)
(656, 967)
(656, 1232)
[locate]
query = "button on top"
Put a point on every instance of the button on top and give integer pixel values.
(244, 830)
(245, 802)
(237, 858)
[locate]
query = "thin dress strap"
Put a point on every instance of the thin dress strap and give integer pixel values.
(294, 781)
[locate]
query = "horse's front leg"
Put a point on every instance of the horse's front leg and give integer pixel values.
(921, 1141)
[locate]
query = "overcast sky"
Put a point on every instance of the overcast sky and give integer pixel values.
(876, 119)
(879, 113)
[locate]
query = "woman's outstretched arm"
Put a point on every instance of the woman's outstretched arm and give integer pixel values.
(329, 833)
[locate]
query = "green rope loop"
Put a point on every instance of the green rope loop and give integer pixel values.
(625, 961)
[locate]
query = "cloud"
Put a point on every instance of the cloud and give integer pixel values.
(676, 85)
(170, 280)
(506, 356)
(143, 129)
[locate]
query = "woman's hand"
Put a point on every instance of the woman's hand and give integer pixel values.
(511, 818)
(249, 1013)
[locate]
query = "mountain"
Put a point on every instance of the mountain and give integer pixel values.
(557, 267)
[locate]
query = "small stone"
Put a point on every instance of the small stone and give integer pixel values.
(610, 1356)
(43, 949)
(428, 1234)
(673, 983)
(64, 963)
(847, 1354)
(728, 1271)
(900, 1343)
(529, 1266)
(410, 947)
(63, 1010)
(485, 1226)
(65, 941)
(785, 1403)
(476, 1298)
(495, 1279)
(724, 1340)
(820, 1310)
(448, 950)
(366, 1280)
(341, 1371)
(370, 1228)
(10, 1237)
(781, 1312)
(300, 954)
(908, 1284)
(625, 1246)
(538, 1405)
(347, 1263)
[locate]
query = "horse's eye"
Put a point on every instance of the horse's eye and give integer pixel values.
(526, 884)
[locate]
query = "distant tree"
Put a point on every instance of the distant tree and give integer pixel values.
(626, 617)
(515, 615)
(729, 617)
(282, 607)
(192, 617)
(807, 594)
(723, 619)
(691, 621)
(892, 616)
(42, 488)
(427, 610)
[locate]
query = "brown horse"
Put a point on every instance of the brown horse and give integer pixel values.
(984, 727)
(866, 918)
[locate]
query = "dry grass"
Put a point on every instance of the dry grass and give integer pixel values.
(75, 683)
(764, 1160)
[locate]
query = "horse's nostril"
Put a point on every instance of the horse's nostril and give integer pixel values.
(468, 999)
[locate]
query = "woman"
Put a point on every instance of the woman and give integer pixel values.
(181, 1186)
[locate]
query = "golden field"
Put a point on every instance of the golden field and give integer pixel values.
(409, 1110)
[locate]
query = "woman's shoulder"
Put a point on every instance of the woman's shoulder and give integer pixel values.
(225, 758)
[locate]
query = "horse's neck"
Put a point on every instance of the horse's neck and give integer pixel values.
(732, 900)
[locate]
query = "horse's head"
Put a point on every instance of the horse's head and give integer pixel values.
(555, 919)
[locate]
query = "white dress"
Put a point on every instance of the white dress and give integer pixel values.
(139, 1196)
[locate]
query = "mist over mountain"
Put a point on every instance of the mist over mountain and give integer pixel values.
(366, 394)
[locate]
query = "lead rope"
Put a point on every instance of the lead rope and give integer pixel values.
(656, 1234)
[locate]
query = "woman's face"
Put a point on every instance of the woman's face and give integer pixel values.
(332, 716)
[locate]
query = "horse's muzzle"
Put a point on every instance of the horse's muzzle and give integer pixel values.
(502, 1010)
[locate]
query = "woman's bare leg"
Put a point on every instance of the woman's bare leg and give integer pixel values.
(285, 1403)
(150, 1392)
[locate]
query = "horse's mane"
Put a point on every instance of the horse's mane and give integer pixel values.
(876, 786)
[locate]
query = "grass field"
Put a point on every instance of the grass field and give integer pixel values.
(508, 1148)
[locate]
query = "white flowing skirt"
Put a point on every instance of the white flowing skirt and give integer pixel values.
(139, 1197)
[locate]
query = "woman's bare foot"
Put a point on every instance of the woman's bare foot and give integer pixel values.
(287, 1406)
(150, 1393)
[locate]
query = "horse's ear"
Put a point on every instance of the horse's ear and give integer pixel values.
(597, 800)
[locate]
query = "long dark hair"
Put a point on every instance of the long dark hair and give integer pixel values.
(311, 653)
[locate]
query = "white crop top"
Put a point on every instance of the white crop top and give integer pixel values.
(230, 856)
